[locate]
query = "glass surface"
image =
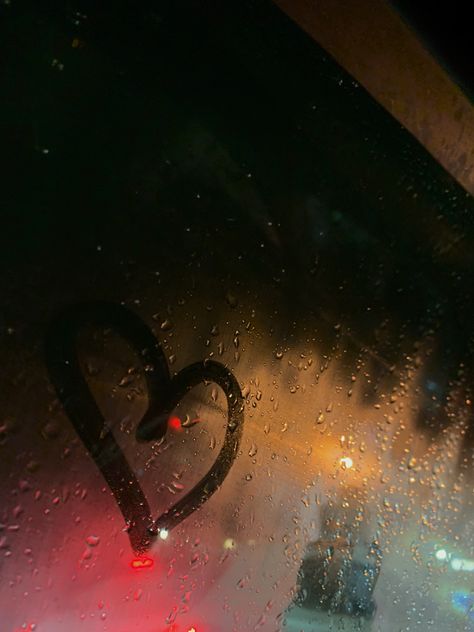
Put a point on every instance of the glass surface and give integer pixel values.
(236, 334)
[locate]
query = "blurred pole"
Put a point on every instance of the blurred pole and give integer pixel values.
(371, 41)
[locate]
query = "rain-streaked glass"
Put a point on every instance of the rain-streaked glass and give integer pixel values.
(244, 243)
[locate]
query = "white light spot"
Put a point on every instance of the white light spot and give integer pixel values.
(441, 554)
(163, 533)
(460, 564)
(230, 543)
(346, 462)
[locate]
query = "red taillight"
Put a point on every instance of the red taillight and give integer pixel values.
(174, 423)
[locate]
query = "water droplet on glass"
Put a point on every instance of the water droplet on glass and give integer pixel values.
(411, 463)
(126, 380)
(51, 430)
(231, 299)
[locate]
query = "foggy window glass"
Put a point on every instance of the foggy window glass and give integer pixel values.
(236, 334)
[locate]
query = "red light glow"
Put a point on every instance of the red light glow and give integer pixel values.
(174, 423)
(141, 562)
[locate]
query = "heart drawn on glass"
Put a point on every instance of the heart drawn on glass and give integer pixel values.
(164, 393)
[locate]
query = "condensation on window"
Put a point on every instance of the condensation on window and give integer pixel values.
(236, 337)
